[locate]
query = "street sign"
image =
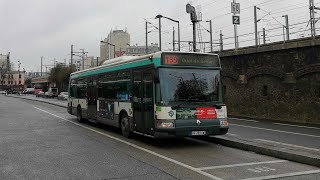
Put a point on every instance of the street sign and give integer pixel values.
(235, 8)
(236, 20)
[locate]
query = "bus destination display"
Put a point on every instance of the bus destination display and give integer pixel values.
(190, 60)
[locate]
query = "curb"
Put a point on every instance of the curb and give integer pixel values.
(278, 151)
(38, 101)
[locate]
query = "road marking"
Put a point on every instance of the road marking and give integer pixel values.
(243, 119)
(254, 170)
(230, 134)
(269, 168)
(288, 132)
(280, 143)
(242, 164)
(261, 169)
(264, 169)
(284, 175)
(309, 127)
(137, 147)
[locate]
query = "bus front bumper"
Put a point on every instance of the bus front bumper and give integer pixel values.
(190, 132)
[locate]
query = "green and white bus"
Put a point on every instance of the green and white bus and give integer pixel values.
(165, 94)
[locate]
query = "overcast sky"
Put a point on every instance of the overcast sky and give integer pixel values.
(34, 28)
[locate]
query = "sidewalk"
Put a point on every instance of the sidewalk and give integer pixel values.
(56, 102)
(278, 150)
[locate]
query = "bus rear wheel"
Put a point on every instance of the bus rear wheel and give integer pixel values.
(79, 115)
(125, 126)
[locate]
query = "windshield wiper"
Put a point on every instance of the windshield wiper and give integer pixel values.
(189, 100)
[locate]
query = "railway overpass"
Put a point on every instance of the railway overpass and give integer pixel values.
(277, 81)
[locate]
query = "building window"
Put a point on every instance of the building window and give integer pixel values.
(265, 90)
(19, 76)
(15, 82)
(19, 82)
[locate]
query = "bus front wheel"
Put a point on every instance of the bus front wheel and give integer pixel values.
(79, 115)
(125, 126)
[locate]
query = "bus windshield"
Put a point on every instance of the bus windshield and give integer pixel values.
(189, 85)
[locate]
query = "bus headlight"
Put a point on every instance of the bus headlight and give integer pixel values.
(224, 122)
(164, 124)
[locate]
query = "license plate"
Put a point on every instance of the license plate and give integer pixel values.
(198, 133)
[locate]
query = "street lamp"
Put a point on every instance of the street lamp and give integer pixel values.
(159, 16)
(114, 48)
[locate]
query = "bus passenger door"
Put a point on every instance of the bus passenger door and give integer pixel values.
(143, 101)
(92, 98)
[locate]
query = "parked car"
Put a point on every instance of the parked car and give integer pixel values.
(48, 95)
(40, 94)
(2, 92)
(53, 90)
(63, 96)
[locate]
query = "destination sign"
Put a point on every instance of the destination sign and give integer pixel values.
(188, 59)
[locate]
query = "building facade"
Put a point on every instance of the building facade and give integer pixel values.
(141, 50)
(5, 62)
(119, 39)
(13, 80)
(89, 62)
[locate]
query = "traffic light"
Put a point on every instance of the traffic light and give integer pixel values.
(192, 11)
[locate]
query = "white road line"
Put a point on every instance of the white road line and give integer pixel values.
(254, 170)
(284, 175)
(138, 147)
(242, 164)
(269, 168)
(243, 119)
(280, 143)
(287, 132)
(230, 134)
(309, 127)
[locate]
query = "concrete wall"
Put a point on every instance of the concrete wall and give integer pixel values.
(276, 81)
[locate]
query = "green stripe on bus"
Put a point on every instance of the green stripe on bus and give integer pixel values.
(155, 61)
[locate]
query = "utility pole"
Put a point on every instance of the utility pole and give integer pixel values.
(41, 64)
(97, 61)
(179, 48)
(147, 51)
(264, 35)
(71, 60)
(211, 43)
(221, 41)
(312, 18)
(256, 25)
(287, 26)
(194, 36)
(160, 34)
(173, 40)
(236, 45)
(83, 59)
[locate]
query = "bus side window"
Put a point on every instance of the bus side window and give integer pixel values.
(158, 94)
(72, 91)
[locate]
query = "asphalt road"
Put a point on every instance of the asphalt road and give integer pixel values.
(42, 141)
(302, 136)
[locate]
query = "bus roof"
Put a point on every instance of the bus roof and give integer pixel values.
(129, 59)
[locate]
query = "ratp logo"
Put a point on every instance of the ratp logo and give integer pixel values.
(171, 113)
